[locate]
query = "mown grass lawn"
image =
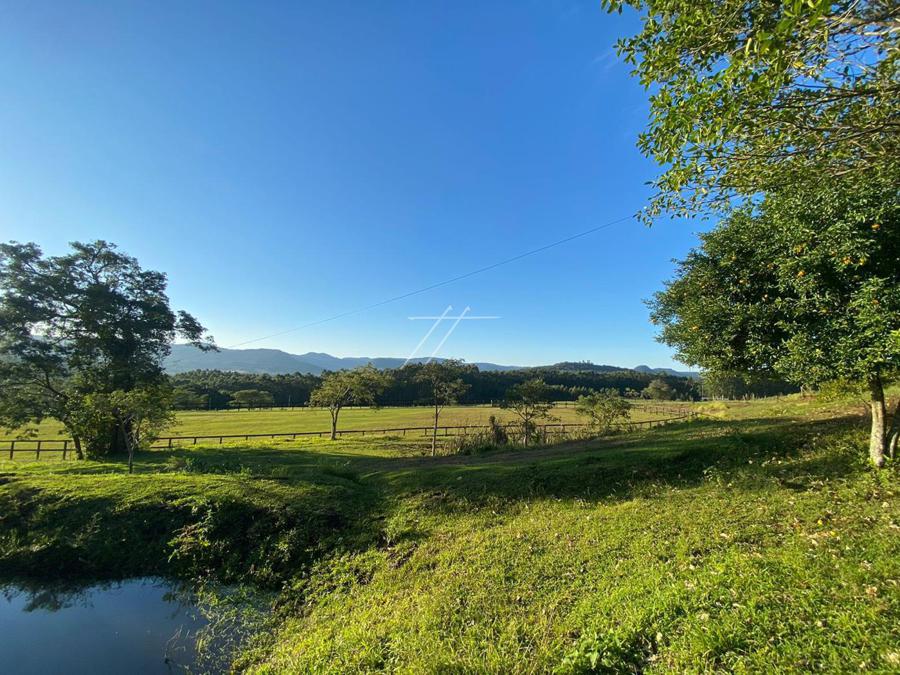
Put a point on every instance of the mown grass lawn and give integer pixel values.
(757, 541)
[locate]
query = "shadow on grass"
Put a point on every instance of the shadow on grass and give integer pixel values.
(621, 467)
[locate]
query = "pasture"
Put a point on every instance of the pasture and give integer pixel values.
(757, 540)
(290, 420)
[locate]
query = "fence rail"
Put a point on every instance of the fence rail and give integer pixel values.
(67, 445)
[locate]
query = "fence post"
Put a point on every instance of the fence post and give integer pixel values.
(37, 450)
(12, 448)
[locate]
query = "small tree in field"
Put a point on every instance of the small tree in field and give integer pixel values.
(603, 408)
(531, 402)
(140, 415)
(252, 398)
(659, 390)
(444, 387)
(360, 386)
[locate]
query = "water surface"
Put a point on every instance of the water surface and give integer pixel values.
(136, 626)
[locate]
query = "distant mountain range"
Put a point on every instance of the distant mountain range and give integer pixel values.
(276, 362)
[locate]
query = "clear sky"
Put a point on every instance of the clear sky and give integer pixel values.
(286, 162)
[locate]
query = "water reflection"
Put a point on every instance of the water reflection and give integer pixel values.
(137, 626)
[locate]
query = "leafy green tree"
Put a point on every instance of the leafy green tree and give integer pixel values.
(444, 386)
(741, 385)
(806, 287)
(603, 408)
(660, 390)
(530, 401)
(252, 398)
(139, 415)
(185, 399)
(753, 95)
(360, 386)
(89, 323)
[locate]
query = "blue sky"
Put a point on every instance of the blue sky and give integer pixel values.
(285, 162)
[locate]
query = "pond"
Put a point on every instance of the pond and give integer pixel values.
(146, 625)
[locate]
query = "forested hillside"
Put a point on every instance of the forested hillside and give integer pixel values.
(203, 389)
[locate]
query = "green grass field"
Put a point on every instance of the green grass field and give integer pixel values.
(226, 422)
(757, 540)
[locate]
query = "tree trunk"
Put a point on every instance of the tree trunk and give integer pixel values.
(79, 453)
(879, 436)
(118, 444)
(894, 432)
(434, 434)
(129, 445)
(334, 416)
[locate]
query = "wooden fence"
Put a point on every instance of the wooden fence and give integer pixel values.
(67, 445)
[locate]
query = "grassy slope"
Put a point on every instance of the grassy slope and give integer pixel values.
(314, 419)
(757, 541)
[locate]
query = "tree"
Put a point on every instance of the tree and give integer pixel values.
(360, 386)
(81, 325)
(660, 390)
(603, 408)
(741, 385)
(252, 398)
(186, 399)
(752, 95)
(444, 386)
(139, 414)
(805, 287)
(530, 400)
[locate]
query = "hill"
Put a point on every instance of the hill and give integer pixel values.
(185, 358)
(693, 374)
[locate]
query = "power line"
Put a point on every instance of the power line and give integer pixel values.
(445, 282)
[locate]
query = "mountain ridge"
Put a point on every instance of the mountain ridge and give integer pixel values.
(184, 358)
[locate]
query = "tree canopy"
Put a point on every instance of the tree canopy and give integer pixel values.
(531, 401)
(443, 384)
(603, 408)
(360, 386)
(660, 390)
(81, 325)
(807, 286)
(751, 95)
(252, 398)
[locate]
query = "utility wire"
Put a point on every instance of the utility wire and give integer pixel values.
(445, 282)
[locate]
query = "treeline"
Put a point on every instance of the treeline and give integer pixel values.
(218, 390)
(739, 386)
